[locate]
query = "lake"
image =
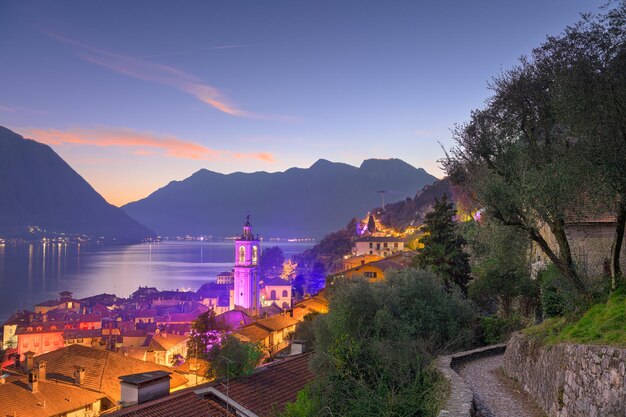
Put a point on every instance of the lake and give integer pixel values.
(31, 273)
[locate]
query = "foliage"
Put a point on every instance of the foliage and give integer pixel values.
(443, 246)
(271, 261)
(602, 324)
(498, 329)
(374, 348)
(371, 224)
(552, 139)
(304, 406)
(305, 331)
(499, 260)
(235, 358)
(558, 296)
(206, 333)
(326, 255)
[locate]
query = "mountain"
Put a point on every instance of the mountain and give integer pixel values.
(298, 202)
(38, 188)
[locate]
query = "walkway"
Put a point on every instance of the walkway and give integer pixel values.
(495, 394)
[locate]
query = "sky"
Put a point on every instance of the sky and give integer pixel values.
(136, 94)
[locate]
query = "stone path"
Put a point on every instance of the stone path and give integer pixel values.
(495, 394)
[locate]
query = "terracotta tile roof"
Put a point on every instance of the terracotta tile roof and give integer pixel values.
(53, 398)
(380, 239)
(164, 341)
(102, 368)
(253, 333)
(234, 319)
(271, 386)
(49, 303)
(183, 404)
(277, 322)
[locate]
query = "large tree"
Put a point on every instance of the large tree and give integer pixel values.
(589, 64)
(552, 139)
(443, 246)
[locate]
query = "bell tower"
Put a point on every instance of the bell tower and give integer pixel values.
(246, 291)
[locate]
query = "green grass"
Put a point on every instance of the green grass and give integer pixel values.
(602, 324)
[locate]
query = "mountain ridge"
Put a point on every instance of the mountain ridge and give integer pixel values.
(39, 188)
(296, 202)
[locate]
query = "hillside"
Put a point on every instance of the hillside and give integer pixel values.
(38, 188)
(298, 202)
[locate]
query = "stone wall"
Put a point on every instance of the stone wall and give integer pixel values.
(569, 380)
(461, 400)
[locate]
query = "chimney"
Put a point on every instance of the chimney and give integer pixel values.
(141, 388)
(79, 375)
(16, 360)
(41, 367)
(33, 381)
(29, 362)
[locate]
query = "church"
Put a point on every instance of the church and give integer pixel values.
(248, 294)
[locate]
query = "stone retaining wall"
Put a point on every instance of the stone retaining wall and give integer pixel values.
(569, 380)
(461, 400)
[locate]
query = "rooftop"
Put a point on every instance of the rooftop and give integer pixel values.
(144, 378)
(52, 399)
(271, 387)
(102, 368)
(380, 239)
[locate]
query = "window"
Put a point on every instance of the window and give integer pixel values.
(385, 244)
(395, 245)
(371, 252)
(285, 293)
(255, 254)
(371, 245)
(242, 254)
(273, 295)
(378, 246)
(370, 274)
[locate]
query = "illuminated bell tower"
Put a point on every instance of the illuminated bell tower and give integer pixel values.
(246, 291)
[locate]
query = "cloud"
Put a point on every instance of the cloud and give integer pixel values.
(138, 143)
(7, 108)
(160, 74)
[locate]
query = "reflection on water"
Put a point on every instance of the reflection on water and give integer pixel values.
(33, 273)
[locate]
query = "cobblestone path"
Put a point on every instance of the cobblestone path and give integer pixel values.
(495, 394)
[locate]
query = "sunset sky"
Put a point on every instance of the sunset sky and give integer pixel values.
(136, 94)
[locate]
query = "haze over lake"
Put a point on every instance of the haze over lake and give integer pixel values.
(32, 273)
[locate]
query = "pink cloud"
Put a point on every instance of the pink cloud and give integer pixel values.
(139, 143)
(164, 75)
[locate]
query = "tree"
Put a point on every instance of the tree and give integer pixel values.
(272, 260)
(499, 261)
(206, 333)
(589, 64)
(443, 246)
(374, 349)
(371, 224)
(235, 358)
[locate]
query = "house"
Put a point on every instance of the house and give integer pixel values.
(89, 337)
(590, 238)
(225, 278)
(377, 245)
(271, 332)
(65, 302)
(39, 338)
(265, 393)
(354, 261)
(276, 291)
(98, 370)
(375, 271)
(33, 395)
(167, 346)
(9, 328)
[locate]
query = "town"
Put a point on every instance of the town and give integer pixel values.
(99, 352)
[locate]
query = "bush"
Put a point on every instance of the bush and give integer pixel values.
(374, 349)
(558, 295)
(498, 329)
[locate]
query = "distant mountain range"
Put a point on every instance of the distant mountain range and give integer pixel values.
(297, 202)
(38, 188)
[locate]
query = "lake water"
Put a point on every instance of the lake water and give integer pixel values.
(32, 273)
